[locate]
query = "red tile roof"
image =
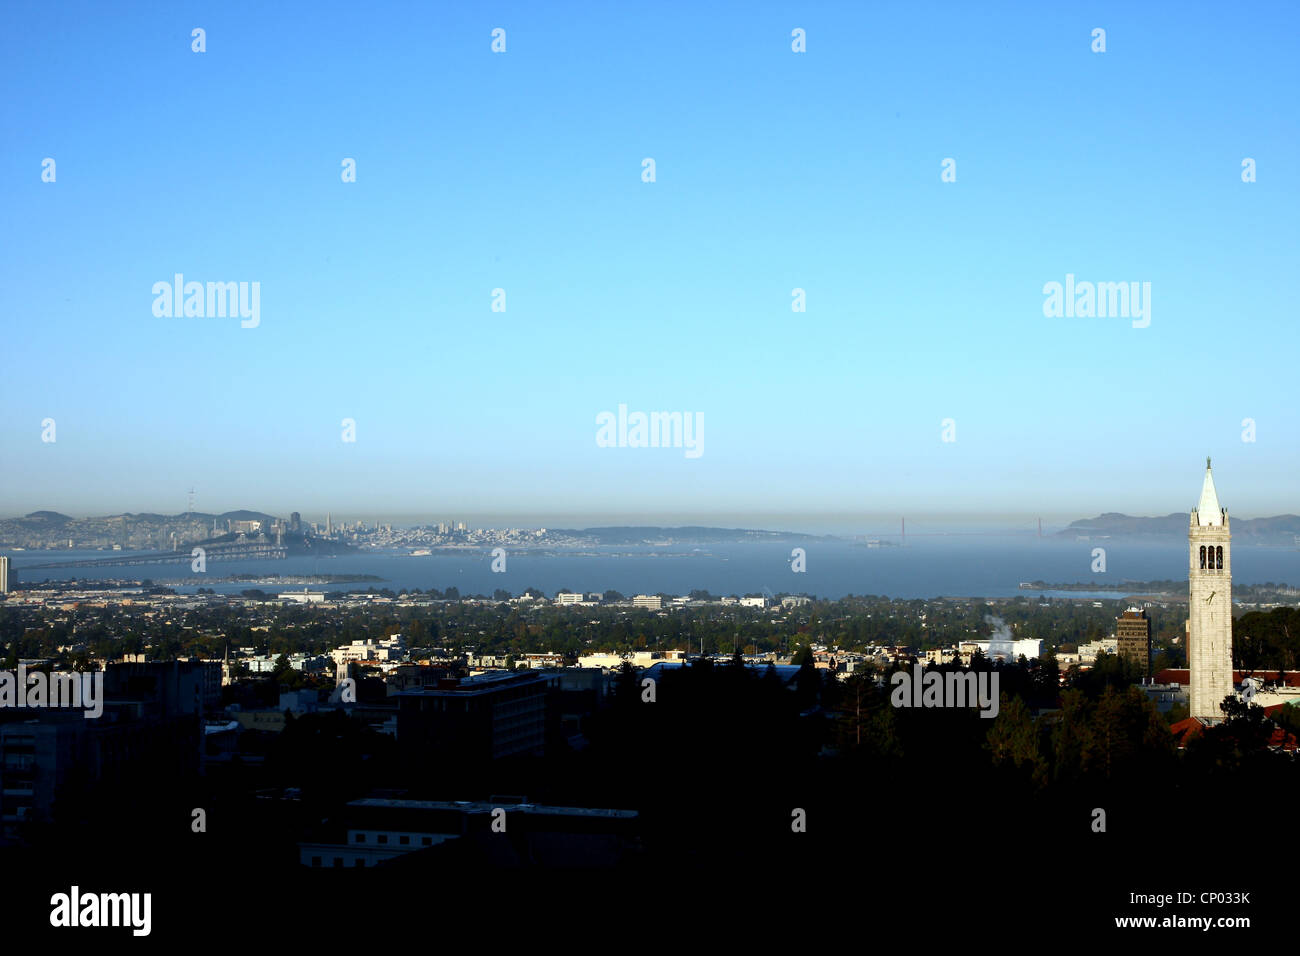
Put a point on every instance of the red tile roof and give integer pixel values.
(1282, 739)
(1182, 675)
(1190, 727)
(1185, 729)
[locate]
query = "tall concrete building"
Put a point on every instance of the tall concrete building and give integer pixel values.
(4, 574)
(478, 718)
(1209, 618)
(1133, 638)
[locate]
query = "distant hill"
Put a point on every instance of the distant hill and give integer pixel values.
(42, 530)
(691, 533)
(43, 518)
(242, 515)
(1280, 529)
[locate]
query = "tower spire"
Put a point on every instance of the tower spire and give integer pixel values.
(1208, 511)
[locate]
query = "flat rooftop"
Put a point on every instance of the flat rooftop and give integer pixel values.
(480, 683)
(471, 806)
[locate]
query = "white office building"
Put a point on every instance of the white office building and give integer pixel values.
(304, 596)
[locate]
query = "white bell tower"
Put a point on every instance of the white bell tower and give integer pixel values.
(1209, 616)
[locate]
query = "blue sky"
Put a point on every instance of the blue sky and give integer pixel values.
(522, 171)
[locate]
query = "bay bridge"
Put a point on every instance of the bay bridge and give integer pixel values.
(234, 552)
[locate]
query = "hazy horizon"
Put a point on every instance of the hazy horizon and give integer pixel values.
(882, 524)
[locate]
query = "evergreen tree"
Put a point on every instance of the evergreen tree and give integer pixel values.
(1013, 738)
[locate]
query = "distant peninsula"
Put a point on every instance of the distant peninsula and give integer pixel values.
(1278, 530)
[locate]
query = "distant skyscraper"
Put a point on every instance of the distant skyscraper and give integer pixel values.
(1209, 617)
(295, 522)
(329, 527)
(1133, 633)
(4, 575)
